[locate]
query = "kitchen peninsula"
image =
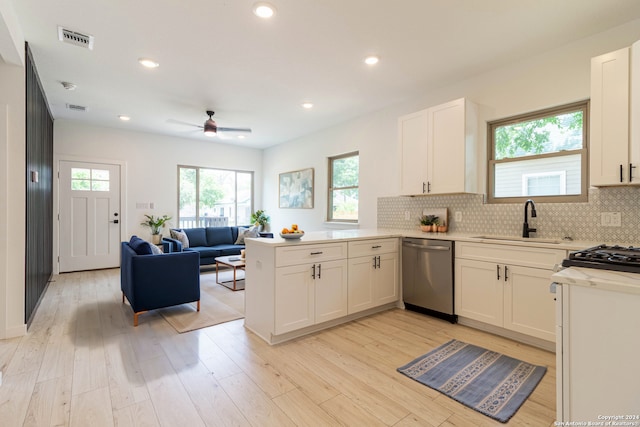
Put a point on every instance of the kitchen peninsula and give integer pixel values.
(295, 287)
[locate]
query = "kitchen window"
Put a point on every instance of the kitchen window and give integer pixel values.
(541, 154)
(343, 188)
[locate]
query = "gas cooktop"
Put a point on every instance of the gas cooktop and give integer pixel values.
(604, 257)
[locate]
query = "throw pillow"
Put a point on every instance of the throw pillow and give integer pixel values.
(140, 246)
(244, 233)
(181, 237)
(156, 250)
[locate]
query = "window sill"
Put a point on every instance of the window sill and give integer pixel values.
(341, 225)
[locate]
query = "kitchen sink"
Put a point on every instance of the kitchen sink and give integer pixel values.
(520, 239)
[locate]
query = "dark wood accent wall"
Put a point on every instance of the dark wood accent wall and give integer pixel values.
(39, 195)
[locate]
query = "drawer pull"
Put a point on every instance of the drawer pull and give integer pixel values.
(376, 247)
(316, 253)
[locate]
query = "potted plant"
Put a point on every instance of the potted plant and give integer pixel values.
(260, 219)
(156, 224)
(428, 222)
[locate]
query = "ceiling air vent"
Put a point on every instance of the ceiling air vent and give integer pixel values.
(76, 38)
(76, 107)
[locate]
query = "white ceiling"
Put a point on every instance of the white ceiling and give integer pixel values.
(216, 54)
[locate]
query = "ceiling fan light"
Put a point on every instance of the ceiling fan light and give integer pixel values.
(210, 128)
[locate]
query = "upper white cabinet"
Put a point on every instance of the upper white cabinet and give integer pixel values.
(614, 134)
(438, 149)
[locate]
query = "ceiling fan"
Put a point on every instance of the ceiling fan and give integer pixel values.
(210, 127)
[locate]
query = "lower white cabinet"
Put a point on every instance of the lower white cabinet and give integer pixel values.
(310, 293)
(373, 281)
(292, 287)
(507, 286)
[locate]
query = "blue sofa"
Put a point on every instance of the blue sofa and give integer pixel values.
(155, 281)
(209, 242)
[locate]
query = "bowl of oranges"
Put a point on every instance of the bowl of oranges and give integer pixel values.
(291, 233)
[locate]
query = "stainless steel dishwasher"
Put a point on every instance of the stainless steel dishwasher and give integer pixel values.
(427, 277)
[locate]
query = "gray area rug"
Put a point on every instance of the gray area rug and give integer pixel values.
(488, 382)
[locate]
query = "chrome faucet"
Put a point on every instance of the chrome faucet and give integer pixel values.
(525, 227)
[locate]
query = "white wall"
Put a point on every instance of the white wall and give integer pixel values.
(554, 78)
(12, 174)
(12, 200)
(151, 164)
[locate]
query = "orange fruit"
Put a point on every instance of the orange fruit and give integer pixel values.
(284, 231)
(294, 227)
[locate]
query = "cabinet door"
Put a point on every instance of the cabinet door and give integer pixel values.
(331, 290)
(294, 298)
(446, 147)
(360, 283)
(478, 292)
(529, 307)
(609, 134)
(412, 138)
(385, 279)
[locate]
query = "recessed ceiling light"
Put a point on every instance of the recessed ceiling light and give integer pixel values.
(372, 60)
(149, 63)
(264, 10)
(307, 105)
(124, 118)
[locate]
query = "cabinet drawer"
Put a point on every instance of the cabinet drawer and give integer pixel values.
(372, 247)
(508, 254)
(310, 253)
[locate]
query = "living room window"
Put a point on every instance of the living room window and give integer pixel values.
(214, 197)
(541, 154)
(343, 188)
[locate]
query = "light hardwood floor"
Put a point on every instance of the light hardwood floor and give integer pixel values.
(82, 363)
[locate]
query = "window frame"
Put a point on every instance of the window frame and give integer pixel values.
(197, 190)
(538, 114)
(331, 188)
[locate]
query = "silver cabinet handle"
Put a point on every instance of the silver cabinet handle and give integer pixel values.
(498, 271)
(313, 271)
(506, 273)
(316, 253)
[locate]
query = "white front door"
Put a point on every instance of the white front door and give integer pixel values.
(89, 216)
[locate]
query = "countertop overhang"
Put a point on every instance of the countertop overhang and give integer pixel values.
(316, 237)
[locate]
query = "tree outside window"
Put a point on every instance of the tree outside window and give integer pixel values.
(343, 188)
(549, 145)
(214, 197)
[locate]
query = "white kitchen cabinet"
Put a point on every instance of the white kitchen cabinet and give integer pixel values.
(412, 130)
(438, 149)
(310, 293)
(373, 274)
(597, 356)
(614, 138)
(507, 286)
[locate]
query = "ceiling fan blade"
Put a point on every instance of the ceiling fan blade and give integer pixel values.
(223, 129)
(179, 122)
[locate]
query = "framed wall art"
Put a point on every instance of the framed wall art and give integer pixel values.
(296, 189)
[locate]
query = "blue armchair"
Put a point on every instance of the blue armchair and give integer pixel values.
(156, 281)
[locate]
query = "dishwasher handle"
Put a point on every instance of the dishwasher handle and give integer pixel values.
(427, 248)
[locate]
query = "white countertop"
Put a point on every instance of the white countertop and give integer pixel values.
(316, 237)
(602, 279)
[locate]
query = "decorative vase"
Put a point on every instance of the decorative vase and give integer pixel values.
(442, 228)
(425, 228)
(156, 239)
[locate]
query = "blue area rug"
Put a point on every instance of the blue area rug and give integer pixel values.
(491, 383)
